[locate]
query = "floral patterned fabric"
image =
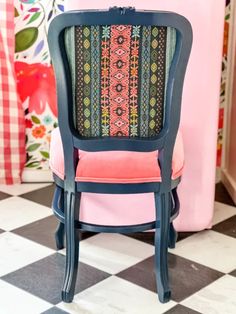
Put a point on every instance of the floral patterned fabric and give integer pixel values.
(35, 76)
(119, 76)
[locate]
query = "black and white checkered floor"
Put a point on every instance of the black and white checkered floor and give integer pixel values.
(116, 271)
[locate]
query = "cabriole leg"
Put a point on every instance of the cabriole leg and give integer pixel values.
(173, 235)
(163, 207)
(72, 245)
(59, 236)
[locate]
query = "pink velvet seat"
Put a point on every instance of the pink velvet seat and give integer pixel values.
(115, 166)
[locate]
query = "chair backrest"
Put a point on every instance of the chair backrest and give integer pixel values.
(119, 76)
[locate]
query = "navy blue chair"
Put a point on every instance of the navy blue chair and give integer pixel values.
(119, 76)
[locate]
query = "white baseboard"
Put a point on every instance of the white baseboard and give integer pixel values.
(37, 176)
(229, 183)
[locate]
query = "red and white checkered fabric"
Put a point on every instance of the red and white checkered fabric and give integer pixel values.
(12, 123)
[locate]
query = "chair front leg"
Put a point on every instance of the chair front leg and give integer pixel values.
(163, 208)
(72, 245)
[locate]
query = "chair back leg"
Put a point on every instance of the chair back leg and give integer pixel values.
(173, 235)
(60, 231)
(72, 244)
(163, 209)
(59, 236)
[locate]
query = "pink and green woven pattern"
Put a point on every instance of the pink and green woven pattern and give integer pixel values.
(119, 75)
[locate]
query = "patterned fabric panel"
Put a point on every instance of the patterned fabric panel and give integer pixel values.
(119, 76)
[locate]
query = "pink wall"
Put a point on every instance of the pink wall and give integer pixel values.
(199, 116)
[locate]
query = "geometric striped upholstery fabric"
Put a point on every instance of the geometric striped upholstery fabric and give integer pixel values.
(119, 77)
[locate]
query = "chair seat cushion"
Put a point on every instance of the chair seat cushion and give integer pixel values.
(115, 166)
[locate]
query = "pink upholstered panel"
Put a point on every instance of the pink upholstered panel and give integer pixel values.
(115, 166)
(117, 209)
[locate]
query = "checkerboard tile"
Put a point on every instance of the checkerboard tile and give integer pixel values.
(115, 295)
(17, 252)
(40, 231)
(19, 189)
(50, 271)
(113, 252)
(219, 297)
(233, 273)
(180, 309)
(4, 195)
(210, 249)
(222, 196)
(116, 272)
(223, 212)
(14, 300)
(227, 227)
(188, 275)
(16, 212)
(42, 196)
(55, 310)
